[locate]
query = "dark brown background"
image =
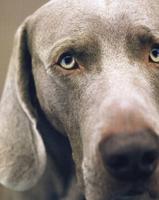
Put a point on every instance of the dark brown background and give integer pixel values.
(12, 13)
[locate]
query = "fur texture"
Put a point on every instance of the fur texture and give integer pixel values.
(52, 119)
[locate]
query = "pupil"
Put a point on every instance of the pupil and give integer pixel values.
(68, 60)
(155, 53)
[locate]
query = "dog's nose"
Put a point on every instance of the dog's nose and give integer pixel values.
(130, 157)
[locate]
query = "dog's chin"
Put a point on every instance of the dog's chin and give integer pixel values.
(134, 196)
(144, 196)
(123, 194)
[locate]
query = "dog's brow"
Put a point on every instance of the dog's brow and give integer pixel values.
(146, 34)
(141, 35)
(79, 43)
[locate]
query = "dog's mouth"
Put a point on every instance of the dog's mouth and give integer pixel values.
(138, 193)
(134, 196)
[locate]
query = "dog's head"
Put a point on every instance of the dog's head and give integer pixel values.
(95, 68)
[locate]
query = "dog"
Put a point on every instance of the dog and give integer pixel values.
(79, 113)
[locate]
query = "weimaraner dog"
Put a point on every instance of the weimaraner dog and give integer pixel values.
(79, 114)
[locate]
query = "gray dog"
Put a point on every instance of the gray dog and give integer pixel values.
(83, 89)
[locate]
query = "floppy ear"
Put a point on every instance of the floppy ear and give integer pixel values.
(22, 152)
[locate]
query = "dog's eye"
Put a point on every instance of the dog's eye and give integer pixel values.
(67, 61)
(154, 55)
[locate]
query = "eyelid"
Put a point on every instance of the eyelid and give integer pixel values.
(76, 44)
(60, 47)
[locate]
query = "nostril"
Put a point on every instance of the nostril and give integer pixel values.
(149, 161)
(130, 157)
(120, 166)
(149, 158)
(118, 162)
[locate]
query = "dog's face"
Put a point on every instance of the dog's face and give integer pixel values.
(96, 70)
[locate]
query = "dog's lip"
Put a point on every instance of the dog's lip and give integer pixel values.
(135, 192)
(141, 193)
(132, 194)
(128, 197)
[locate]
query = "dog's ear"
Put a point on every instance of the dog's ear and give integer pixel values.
(22, 152)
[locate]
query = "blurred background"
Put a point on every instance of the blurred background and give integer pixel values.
(12, 13)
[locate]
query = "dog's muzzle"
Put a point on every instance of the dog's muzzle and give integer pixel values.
(129, 150)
